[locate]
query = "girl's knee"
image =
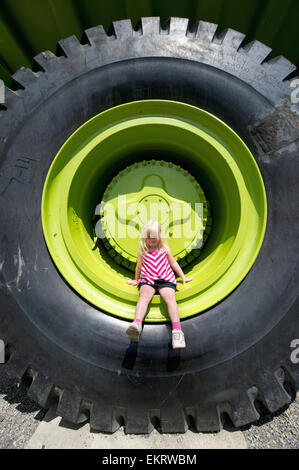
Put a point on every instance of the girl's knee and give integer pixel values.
(145, 297)
(168, 295)
(146, 294)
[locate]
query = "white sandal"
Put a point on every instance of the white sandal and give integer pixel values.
(133, 331)
(178, 339)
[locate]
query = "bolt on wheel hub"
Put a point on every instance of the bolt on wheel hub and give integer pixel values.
(155, 190)
(111, 155)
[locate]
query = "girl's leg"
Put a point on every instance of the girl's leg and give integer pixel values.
(146, 294)
(178, 337)
(134, 329)
(168, 295)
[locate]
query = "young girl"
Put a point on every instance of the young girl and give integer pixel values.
(154, 274)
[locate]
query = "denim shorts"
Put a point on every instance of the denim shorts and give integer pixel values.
(158, 283)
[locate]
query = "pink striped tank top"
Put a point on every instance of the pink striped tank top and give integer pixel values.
(155, 265)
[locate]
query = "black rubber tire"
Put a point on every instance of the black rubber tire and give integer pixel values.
(239, 352)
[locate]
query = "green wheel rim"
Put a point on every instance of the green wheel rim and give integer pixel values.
(154, 130)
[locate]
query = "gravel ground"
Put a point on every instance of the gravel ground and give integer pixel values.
(278, 430)
(20, 416)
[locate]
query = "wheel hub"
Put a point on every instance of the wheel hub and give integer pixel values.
(154, 190)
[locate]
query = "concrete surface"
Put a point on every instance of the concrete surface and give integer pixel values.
(55, 433)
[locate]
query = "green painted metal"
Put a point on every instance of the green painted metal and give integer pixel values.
(40, 24)
(31, 26)
(177, 133)
(12, 51)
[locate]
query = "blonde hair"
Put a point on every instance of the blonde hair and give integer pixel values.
(152, 228)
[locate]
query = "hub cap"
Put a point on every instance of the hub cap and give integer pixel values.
(155, 190)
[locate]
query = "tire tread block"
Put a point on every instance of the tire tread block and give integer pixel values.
(230, 37)
(71, 407)
(42, 390)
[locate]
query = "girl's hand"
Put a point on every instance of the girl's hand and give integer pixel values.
(187, 279)
(132, 281)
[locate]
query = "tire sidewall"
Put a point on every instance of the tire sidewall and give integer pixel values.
(44, 303)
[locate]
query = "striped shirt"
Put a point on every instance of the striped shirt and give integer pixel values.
(155, 265)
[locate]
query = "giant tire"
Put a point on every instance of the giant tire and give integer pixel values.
(70, 353)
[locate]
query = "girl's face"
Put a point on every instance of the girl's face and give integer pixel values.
(152, 241)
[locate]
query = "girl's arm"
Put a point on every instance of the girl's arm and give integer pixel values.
(138, 265)
(176, 267)
(137, 270)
